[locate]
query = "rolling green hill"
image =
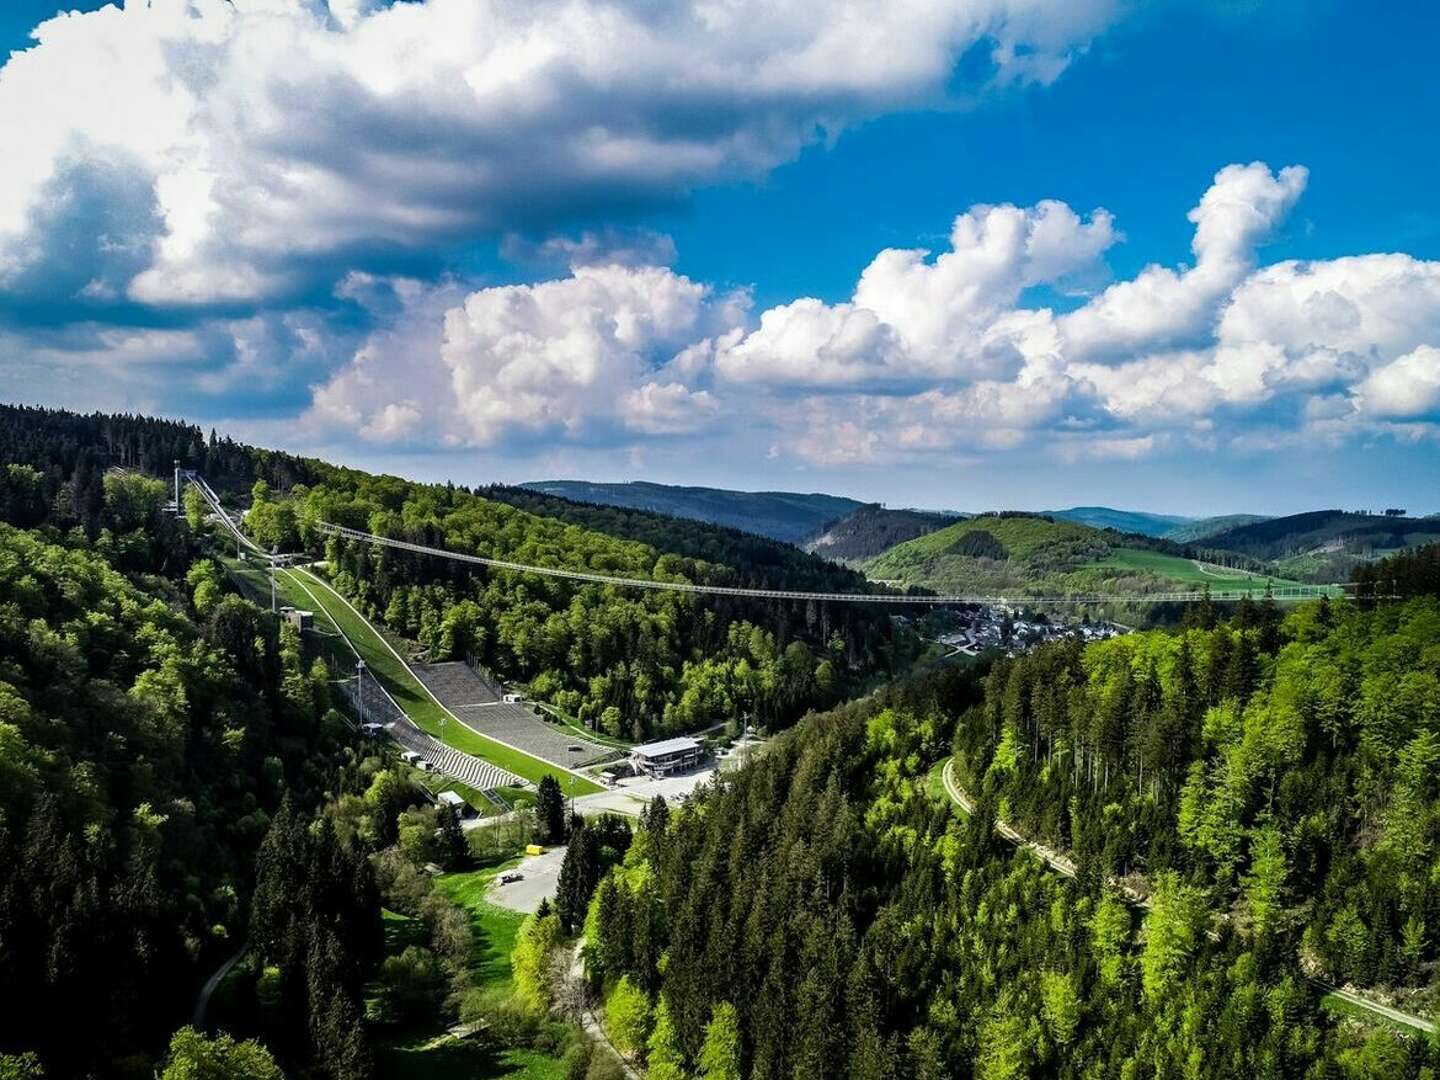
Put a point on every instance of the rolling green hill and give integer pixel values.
(1027, 554)
(782, 515)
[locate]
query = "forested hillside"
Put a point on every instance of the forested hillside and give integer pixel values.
(1409, 573)
(828, 912)
(1203, 528)
(150, 727)
(1128, 521)
(871, 530)
(637, 663)
(790, 516)
(753, 559)
(1338, 530)
(72, 452)
(1286, 766)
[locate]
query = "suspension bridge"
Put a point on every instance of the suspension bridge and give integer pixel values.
(1282, 593)
(1278, 592)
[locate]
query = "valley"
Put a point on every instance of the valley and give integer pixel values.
(615, 629)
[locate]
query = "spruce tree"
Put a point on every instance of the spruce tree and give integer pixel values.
(550, 810)
(455, 851)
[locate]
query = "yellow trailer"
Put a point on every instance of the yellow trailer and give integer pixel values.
(534, 849)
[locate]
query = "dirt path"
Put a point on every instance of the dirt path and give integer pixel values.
(1064, 865)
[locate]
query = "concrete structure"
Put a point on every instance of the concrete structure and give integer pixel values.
(667, 756)
(298, 618)
(455, 801)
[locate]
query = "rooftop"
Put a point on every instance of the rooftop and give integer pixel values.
(667, 746)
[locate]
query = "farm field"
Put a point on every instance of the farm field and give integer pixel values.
(1184, 571)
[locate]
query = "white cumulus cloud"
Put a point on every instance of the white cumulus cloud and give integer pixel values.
(266, 145)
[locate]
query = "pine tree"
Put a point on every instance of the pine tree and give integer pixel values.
(455, 851)
(720, 1056)
(550, 810)
(664, 1060)
(578, 875)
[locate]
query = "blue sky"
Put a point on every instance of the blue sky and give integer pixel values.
(474, 261)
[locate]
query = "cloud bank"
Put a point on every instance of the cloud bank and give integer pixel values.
(221, 152)
(939, 355)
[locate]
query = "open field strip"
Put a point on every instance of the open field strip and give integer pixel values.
(1193, 572)
(415, 698)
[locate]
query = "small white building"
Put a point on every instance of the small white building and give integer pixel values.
(666, 756)
(455, 801)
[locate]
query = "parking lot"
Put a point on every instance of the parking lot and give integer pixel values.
(633, 793)
(540, 873)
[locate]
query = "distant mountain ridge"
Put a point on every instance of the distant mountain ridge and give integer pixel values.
(781, 515)
(873, 529)
(1203, 528)
(1125, 521)
(1320, 530)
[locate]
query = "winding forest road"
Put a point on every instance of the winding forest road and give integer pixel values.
(1064, 865)
(202, 1003)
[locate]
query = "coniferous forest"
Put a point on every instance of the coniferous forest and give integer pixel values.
(1250, 805)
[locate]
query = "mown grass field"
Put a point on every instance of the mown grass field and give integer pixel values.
(495, 928)
(411, 696)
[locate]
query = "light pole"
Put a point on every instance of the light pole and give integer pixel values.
(360, 689)
(572, 750)
(272, 579)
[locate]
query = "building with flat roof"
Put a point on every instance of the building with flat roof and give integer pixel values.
(455, 801)
(666, 756)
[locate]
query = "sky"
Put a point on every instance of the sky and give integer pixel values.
(1178, 256)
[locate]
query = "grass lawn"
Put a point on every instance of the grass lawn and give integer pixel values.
(495, 928)
(411, 696)
(454, 1060)
(935, 783)
(428, 1054)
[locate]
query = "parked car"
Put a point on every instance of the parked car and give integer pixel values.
(510, 879)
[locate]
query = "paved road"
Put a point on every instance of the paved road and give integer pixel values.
(1065, 866)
